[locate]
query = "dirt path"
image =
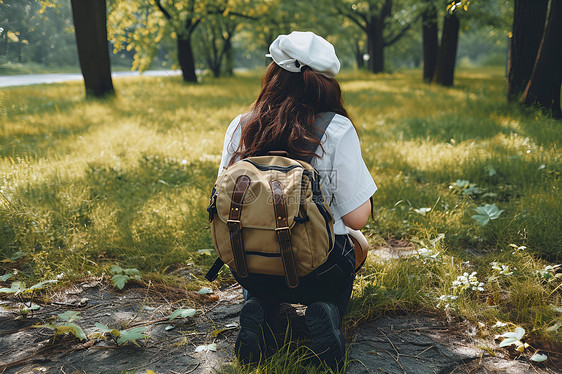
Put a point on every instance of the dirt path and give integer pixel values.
(392, 344)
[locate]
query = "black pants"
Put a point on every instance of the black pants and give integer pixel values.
(331, 282)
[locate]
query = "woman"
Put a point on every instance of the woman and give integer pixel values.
(298, 86)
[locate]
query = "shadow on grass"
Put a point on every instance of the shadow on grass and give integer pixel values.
(450, 127)
(149, 216)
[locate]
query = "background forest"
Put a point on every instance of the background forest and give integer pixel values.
(237, 32)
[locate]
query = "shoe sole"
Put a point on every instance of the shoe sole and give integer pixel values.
(328, 343)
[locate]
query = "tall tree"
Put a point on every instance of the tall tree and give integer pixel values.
(142, 24)
(430, 42)
(381, 24)
(528, 27)
(216, 34)
(543, 88)
(93, 49)
(446, 56)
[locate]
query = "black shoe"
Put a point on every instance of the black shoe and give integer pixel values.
(328, 343)
(256, 340)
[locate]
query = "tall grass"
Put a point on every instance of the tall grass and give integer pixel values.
(86, 184)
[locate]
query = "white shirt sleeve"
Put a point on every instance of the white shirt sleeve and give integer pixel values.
(231, 141)
(354, 184)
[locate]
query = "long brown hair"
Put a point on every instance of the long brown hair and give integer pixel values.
(282, 118)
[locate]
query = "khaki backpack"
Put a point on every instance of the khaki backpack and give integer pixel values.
(269, 216)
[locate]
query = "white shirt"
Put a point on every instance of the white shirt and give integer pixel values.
(344, 178)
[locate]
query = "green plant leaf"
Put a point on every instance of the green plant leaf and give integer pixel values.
(513, 337)
(538, 357)
(69, 316)
(40, 285)
(6, 276)
(115, 269)
(132, 335)
(16, 288)
(26, 310)
(204, 291)
(119, 280)
(16, 256)
(107, 330)
(486, 213)
(183, 313)
(72, 328)
(132, 271)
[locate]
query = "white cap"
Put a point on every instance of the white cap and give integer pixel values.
(298, 49)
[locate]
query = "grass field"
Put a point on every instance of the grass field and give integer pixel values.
(88, 184)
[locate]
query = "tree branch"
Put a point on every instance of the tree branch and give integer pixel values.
(354, 17)
(163, 10)
(391, 40)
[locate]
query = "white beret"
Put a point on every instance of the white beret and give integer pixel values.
(298, 49)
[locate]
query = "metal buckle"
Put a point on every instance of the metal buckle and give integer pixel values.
(283, 234)
(234, 225)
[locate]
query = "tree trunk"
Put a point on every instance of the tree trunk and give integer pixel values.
(93, 50)
(185, 58)
(358, 55)
(19, 50)
(375, 42)
(430, 41)
(528, 26)
(447, 55)
(4, 37)
(229, 58)
(544, 85)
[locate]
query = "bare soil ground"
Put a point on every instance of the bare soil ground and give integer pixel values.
(412, 343)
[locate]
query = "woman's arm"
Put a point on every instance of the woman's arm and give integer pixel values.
(358, 217)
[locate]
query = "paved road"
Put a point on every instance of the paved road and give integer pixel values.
(24, 80)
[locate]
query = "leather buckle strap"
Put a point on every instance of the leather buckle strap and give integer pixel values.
(235, 226)
(284, 234)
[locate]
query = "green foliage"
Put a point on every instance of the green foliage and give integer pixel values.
(132, 335)
(182, 313)
(18, 288)
(65, 325)
(486, 213)
(119, 337)
(122, 276)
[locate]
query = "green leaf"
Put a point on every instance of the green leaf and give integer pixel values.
(132, 271)
(69, 316)
(119, 280)
(132, 335)
(72, 328)
(116, 269)
(16, 256)
(538, 357)
(16, 288)
(6, 276)
(486, 213)
(107, 330)
(183, 313)
(204, 291)
(40, 285)
(26, 310)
